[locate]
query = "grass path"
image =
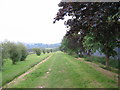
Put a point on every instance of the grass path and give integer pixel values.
(64, 71)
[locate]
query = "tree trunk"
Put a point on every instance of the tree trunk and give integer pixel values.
(107, 61)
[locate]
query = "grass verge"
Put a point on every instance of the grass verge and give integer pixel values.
(11, 71)
(114, 64)
(102, 60)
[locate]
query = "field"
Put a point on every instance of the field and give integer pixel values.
(11, 71)
(62, 71)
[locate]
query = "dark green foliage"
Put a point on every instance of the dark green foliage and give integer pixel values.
(43, 51)
(37, 51)
(97, 24)
(71, 45)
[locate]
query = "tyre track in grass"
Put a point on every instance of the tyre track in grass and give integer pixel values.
(26, 73)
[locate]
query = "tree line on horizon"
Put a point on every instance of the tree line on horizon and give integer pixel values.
(38, 51)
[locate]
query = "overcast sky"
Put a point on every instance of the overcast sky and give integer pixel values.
(30, 21)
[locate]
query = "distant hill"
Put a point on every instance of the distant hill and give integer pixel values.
(41, 45)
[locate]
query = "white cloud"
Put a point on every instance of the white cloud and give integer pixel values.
(30, 21)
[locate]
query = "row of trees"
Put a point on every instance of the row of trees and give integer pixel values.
(14, 51)
(92, 26)
(38, 51)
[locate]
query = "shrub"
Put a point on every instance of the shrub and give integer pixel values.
(43, 51)
(24, 52)
(14, 51)
(37, 51)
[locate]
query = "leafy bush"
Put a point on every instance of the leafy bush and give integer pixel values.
(14, 51)
(37, 51)
(43, 51)
(24, 52)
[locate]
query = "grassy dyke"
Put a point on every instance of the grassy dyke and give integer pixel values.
(11, 71)
(64, 71)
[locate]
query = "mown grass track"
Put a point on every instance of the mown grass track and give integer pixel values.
(64, 71)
